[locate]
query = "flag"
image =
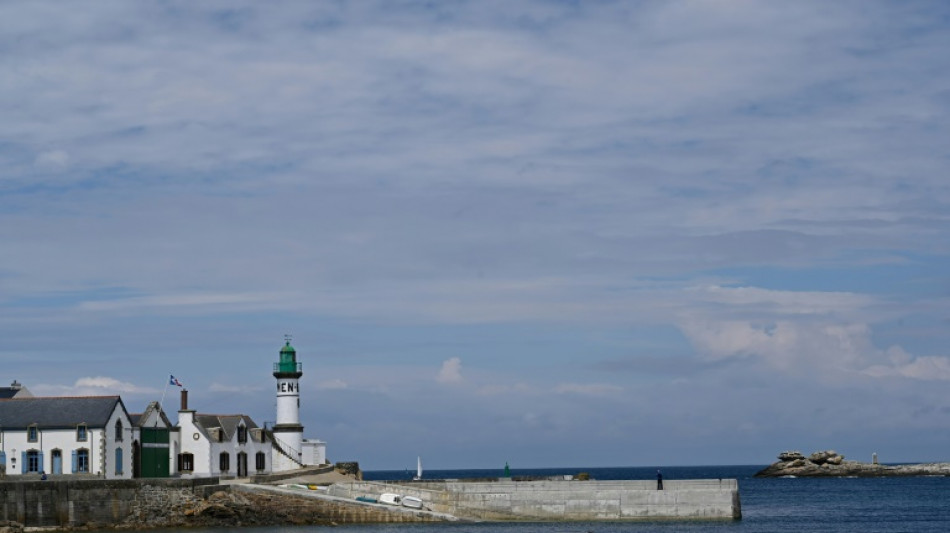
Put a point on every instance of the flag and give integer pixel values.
(172, 380)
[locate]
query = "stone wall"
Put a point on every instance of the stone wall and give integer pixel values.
(566, 500)
(140, 504)
(75, 503)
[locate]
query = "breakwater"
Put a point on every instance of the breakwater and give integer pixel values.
(568, 500)
(143, 504)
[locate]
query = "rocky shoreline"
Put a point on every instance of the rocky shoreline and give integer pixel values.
(832, 464)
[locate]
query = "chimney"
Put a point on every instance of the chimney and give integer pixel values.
(184, 399)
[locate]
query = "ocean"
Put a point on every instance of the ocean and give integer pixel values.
(801, 505)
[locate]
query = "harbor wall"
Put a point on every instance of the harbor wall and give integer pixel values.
(72, 503)
(566, 500)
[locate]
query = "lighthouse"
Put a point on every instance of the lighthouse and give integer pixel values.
(288, 433)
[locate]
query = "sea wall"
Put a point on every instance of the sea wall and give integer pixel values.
(566, 500)
(72, 503)
(142, 504)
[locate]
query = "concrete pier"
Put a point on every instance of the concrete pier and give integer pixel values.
(565, 500)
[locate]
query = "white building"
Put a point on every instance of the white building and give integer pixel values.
(60, 435)
(220, 445)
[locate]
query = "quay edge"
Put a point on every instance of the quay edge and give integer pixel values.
(564, 500)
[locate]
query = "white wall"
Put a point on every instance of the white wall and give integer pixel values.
(206, 451)
(99, 442)
(192, 440)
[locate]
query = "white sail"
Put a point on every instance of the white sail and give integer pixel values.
(419, 467)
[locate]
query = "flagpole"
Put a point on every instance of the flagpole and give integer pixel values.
(161, 404)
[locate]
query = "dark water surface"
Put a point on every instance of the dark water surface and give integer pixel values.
(878, 505)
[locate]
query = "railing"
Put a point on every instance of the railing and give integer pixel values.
(280, 446)
(288, 367)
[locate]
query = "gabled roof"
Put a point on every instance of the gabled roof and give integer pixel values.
(139, 418)
(15, 390)
(227, 423)
(58, 412)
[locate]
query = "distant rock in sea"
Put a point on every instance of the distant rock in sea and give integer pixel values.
(829, 463)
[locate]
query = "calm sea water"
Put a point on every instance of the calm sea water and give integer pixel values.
(876, 505)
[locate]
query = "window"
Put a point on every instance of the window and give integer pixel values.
(31, 434)
(261, 461)
(33, 461)
(81, 461)
(81, 433)
(242, 434)
(118, 431)
(224, 462)
(118, 461)
(186, 462)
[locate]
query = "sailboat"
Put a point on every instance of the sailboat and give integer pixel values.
(418, 469)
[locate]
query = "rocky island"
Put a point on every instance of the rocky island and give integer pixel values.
(829, 463)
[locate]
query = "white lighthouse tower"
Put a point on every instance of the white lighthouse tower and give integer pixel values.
(288, 433)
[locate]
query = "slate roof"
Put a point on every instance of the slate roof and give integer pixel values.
(228, 423)
(58, 412)
(138, 418)
(13, 391)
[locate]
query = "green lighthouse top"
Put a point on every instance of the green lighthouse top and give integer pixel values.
(288, 362)
(288, 351)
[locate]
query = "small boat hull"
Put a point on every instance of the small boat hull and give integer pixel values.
(390, 499)
(412, 502)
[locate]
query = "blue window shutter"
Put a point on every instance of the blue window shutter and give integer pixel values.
(118, 461)
(42, 468)
(75, 462)
(23, 463)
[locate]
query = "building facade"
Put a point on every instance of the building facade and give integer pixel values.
(154, 445)
(219, 445)
(90, 436)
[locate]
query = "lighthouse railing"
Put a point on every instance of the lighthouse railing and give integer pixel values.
(288, 367)
(282, 448)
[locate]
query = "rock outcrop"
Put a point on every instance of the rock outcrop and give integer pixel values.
(829, 463)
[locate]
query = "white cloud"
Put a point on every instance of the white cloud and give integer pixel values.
(783, 302)
(903, 364)
(92, 386)
(786, 345)
(451, 371)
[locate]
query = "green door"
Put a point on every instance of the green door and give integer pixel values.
(154, 456)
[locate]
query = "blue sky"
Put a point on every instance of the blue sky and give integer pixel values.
(548, 233)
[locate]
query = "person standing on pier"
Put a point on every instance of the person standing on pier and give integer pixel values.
(659, 480)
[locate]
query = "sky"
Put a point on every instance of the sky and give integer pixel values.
(547, 233)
